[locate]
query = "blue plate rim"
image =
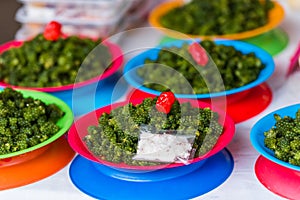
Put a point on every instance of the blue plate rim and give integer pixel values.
(244, 47)
(264, 124)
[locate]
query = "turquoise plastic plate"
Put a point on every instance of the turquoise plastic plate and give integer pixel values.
(131, 76)
(257, 134)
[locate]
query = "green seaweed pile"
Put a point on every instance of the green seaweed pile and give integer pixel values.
(116, 137)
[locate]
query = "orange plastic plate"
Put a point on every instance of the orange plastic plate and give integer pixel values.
(56, 157)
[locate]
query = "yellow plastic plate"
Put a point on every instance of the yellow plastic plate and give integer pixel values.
(276, 16)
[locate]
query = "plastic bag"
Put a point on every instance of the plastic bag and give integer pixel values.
(165, 146)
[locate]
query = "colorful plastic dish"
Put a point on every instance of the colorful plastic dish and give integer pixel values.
(131, 76)
(265, 124)
(30, 153)
(276, 16)
(79, 129)
(117, 60)
(57, 156)
(276, 175)
(277, 178)
(294, 61)
(101, 185)
(80, 91)
(273, 41)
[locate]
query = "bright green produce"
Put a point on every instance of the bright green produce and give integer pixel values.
(25, 122)
(235, 69)
(218, 17)
(116, 137)
(43, 63)
(284, 138)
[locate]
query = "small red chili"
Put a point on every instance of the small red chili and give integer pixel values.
(198, 53)
(165, 101)
(52, 31)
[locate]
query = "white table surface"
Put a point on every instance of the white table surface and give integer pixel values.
(242, 183)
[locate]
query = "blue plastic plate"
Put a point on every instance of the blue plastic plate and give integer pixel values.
(257, 134)
(136, 62)
(100, 185)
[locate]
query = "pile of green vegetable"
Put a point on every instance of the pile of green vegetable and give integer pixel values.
(218, 17)
(115, 139)
(235, 69)
(25, 121)
(284, 138)
(44, 63)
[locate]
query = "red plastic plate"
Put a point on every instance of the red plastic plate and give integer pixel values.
(280, 180)
(240, 107)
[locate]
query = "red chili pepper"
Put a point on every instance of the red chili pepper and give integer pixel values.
(165, 101)
(52, 31)
(198, 53)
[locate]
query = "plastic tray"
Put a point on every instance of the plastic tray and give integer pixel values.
(81, 9)
(33, 24)
(99, 18)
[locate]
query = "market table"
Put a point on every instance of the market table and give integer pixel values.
(242, 182)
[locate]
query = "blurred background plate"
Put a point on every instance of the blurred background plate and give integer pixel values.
(276, 16)
(83, 97)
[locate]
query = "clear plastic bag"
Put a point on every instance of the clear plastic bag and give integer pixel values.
(165, 146)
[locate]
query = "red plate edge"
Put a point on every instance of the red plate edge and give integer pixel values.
(280, 180)
(240, 107)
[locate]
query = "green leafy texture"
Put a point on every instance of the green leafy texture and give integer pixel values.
(25, 121)
(236, 69)
(42, 63)
(218, 17)
(284, 138)
(116, 137)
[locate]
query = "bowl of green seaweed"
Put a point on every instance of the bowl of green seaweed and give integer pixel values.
(200, 69)
(146, 133)
(231, 19)
(30, 122)
(60, 65)
(276, 137)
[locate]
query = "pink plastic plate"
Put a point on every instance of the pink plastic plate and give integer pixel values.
(117, 60)
(278, 179)
(79, 129)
